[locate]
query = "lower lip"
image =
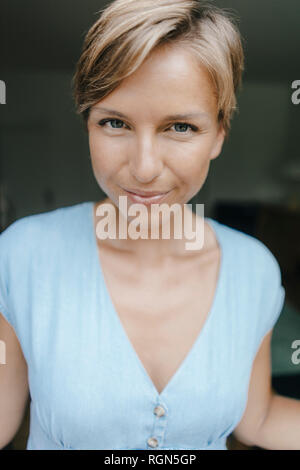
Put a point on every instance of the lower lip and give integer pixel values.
(146, 200)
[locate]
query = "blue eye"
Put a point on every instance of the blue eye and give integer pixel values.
(183, 127)
(104, 121)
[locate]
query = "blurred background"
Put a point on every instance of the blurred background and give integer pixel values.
(253, 186)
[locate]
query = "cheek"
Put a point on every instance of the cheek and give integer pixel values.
(192, 162)
(192, 172)
(103, 155)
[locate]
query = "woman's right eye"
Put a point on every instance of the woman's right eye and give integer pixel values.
(115, 123)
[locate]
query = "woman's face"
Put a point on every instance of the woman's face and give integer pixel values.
(137, 142)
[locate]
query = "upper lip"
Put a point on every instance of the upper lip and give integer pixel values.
(146, 193)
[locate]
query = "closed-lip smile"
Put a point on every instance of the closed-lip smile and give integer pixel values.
(146, 197)
(146, 193)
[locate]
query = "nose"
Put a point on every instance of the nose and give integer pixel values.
(146, 162)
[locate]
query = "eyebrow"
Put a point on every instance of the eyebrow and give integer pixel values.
(170, 116)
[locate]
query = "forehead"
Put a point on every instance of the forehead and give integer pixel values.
(171, 77)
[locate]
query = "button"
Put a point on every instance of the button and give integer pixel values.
(159, 411)
(152, 442)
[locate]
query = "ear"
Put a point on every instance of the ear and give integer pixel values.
(218, 144)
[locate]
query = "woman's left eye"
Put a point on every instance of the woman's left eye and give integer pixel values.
(182, 127)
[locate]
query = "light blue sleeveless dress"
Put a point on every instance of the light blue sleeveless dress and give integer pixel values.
(88, 387)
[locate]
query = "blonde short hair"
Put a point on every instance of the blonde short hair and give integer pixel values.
(128, 30)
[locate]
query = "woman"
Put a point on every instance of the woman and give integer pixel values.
(139, 343)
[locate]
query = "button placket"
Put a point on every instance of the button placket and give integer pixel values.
(160, 414)
(152, 442)
(159, 411)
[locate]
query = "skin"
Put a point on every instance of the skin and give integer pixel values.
(153, 153)
(150, 152)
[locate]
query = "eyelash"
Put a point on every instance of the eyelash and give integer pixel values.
(104, 121)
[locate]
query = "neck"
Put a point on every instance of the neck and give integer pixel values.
(172, 233)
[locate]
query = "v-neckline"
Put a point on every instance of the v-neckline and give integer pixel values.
(204, 328)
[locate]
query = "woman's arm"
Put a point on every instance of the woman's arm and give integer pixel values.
(281, 427)
(270, 421)
(14, 389)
